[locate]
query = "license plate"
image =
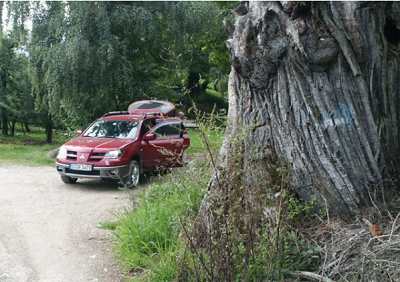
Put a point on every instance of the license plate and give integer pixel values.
(83, 167)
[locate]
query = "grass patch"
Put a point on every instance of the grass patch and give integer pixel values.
(147, 239)
(29, 148)
(197, 145)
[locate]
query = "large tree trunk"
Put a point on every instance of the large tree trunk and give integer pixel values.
(3, 112)
(26, 126)
(4, 121)
(314, 86)
(49, 129)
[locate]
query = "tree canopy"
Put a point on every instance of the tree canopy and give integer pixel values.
(65, 63)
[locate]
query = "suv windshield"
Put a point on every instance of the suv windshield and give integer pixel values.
(112, 129)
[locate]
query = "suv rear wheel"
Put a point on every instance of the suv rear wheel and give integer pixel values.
(134, 174)
(68, 180)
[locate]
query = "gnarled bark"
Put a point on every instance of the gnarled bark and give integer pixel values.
(314, 85)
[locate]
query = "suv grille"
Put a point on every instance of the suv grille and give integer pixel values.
(71, 155)
(93, 172)
(96, 156)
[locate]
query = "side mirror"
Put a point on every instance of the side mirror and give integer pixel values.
(78, 132)
(149, 136)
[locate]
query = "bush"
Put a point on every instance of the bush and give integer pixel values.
(245, 245)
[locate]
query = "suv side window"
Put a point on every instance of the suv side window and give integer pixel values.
(169, 130)
(147, 125)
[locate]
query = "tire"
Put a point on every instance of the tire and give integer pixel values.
(134, 175)
(68, 180)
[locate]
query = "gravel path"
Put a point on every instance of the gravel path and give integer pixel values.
(48, 229)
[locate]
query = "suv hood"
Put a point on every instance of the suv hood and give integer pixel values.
(102, 144)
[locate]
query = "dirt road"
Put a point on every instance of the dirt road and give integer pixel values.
(48, 229)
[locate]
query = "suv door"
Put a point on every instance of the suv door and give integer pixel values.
(166, 149)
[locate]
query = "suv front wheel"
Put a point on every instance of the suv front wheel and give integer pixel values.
(134, 174)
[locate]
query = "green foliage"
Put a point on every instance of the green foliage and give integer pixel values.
(270, 253)
(104, 55)
(251, 234)
(81, 59)
(298, 210)
(148, 237)
(268, 264)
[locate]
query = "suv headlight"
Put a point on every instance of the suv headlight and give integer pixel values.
(113, 154)
(62, 153)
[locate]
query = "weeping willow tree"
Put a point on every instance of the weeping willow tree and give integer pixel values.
(91, 57)
(79, 60)
(313, 86)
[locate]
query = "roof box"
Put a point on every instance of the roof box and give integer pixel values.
(152, 107)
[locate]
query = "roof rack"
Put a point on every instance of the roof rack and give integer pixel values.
(147, 115)
(155, 114)
(116, 113)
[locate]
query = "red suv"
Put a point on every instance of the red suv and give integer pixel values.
(123, 145)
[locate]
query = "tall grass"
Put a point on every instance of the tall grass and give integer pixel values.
(148, 241)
